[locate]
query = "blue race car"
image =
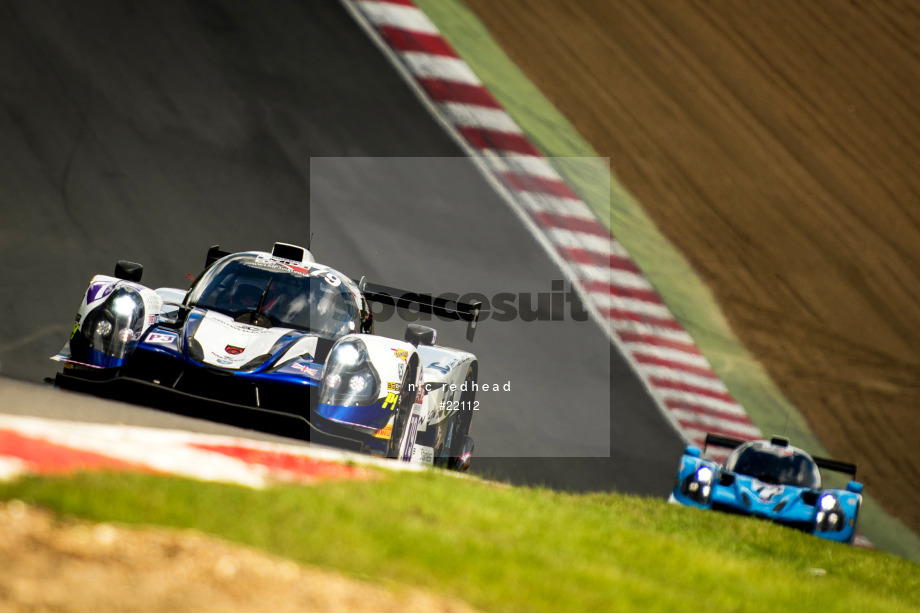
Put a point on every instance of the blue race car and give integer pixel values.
(770, 480)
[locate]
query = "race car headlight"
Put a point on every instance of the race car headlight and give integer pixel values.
(358, 382)
(349, 378)
(698, 485)
(123, 304)
(333, 380)
(830, 515)
(122, 311)
(103, 328)
(348, 353)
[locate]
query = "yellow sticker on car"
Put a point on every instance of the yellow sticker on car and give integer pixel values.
(385, 432)
(403, 355)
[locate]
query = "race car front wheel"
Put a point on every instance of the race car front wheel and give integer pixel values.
(402, 438)
(460, 442)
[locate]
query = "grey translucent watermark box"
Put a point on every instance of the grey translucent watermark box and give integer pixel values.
(445, 228)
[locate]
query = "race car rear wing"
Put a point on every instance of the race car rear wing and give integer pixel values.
(215, 253)
(823, 463)
(839, 466)
(720, 440)
(425, 303)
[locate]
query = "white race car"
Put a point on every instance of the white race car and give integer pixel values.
(279, 333)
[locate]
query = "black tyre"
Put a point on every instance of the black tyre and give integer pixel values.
(403, 412)
(460, 444)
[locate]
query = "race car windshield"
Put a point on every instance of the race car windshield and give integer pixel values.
(291, 296)
(775, 465)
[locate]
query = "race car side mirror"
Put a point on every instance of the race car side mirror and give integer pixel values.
(693, 451)
(129, 271)
(855, 487)
(416, 334)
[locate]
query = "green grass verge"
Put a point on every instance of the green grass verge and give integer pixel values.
(682, 290)
(503, 548)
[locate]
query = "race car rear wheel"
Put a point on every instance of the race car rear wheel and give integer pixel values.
(399, 445)
(460, 442)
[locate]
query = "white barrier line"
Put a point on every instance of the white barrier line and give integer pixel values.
(570, 207)
(667, 353)
(583, 240)
(675, 375)
(702, 401)
(461, 114)
(712, 423)
(428, 65)
(530, 165)
(397, 16)
(644, 328)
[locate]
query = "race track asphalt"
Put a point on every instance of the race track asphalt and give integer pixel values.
(149, 131)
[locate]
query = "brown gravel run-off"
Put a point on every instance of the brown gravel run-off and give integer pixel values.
(111, 568)
(777, 144)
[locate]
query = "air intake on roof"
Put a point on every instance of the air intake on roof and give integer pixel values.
(782, 442)
(289, 252)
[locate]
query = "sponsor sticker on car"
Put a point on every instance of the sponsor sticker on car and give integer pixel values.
(161, 338)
